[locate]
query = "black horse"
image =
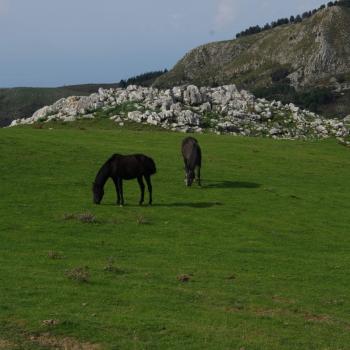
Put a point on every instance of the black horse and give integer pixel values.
(120, 168)
(192, 155)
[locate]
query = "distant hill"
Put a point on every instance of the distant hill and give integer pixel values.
(22, 102)
(306, 62)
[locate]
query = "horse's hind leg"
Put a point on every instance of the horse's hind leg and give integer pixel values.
(199, 175)
(142, 188)
(115, 180)
(149, 186)
(120, 187)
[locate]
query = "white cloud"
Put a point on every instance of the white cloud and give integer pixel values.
(226, 13)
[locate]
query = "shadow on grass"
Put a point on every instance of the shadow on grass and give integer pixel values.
(230, 184)
(186, 204)
(171, 205)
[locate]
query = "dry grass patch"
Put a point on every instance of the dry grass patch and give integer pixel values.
(86, 218)
(141, 220)
(52, 342)
(54, 255)
(79, 274)
(111, 267)
(184, 278)
(50, 322)
(6, 345)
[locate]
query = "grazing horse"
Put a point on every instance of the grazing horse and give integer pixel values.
(192, 155)
(120, 168)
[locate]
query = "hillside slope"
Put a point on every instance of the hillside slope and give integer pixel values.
(22, 102)
(313, 53)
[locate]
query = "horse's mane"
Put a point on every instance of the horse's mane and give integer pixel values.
(104, 171)
(113, 157)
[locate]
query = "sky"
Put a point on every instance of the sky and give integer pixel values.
(63, 42)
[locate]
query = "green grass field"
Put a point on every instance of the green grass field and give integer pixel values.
(264, 243)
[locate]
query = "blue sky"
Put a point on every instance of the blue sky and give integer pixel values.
(62, 42)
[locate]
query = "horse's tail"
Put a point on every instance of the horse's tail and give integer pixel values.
(151, 166)
(199, 154)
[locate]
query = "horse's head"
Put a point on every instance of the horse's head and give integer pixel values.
(189, 177)
(98, 193)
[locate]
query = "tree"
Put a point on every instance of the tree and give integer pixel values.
(298, 19)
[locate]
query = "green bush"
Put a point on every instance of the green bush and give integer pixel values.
(311, 99)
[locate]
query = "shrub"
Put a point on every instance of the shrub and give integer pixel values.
(279, 74)
(310, 99)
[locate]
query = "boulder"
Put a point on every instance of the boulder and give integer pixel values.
(192, 96)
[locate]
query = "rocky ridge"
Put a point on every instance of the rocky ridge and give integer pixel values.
(223, 110)
(311, 53)
(290, 62)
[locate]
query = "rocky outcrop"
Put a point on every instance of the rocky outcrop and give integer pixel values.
(223, 110)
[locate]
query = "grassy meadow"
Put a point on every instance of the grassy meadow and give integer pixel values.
(258, 258)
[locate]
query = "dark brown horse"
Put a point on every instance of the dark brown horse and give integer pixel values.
(192, 155)
(121, 168)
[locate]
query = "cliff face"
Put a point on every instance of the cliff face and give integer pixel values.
(315, 52)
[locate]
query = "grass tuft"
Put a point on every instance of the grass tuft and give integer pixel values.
(79, 274)
(55, 255)
(184, 278)
(111, 267)
(141, 220)
(86, 218)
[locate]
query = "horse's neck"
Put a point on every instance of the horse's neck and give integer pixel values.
(103, 175)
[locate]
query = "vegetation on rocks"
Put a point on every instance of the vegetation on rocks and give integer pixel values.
(291, 20)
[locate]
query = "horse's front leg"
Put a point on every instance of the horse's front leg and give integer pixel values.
(142, 188)
(149, 186)
(120, 188)
(115, 180)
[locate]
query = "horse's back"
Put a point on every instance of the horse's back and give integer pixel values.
(133, 165)
(148, 164)
(189, 141)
